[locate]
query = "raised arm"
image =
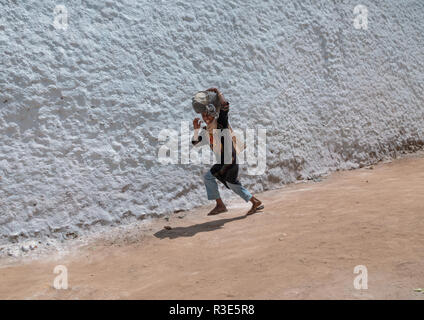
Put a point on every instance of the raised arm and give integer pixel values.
(225, 107)
(197, 139)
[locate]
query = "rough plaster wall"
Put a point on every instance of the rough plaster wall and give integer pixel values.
(81, 109)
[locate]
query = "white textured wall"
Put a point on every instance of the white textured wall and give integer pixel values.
(80, 110)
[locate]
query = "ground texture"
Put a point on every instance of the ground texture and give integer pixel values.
(305, 244)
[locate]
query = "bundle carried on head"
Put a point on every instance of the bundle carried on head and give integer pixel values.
(206, 101)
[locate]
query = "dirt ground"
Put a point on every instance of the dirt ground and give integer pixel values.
(304, 245)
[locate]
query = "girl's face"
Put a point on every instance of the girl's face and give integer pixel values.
(207, 118)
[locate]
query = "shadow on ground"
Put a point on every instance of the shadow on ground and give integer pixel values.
(194, 229)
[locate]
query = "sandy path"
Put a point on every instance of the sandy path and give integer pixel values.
(304, 245)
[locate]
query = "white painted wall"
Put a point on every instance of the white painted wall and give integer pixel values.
(81, 109)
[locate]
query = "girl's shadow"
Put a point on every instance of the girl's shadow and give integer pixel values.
(194, 229)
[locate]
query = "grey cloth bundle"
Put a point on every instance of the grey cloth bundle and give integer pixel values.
(206, 101)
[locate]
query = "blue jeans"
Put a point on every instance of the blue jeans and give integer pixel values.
(213, 192)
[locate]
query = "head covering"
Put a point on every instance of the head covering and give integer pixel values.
(206, 101)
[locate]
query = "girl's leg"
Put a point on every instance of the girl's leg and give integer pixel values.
(211, 186)
(213, 193)
(241, 191)
(256, 205)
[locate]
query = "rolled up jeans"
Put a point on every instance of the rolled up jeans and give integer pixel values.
(213, 192)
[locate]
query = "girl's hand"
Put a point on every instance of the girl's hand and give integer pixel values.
(196, 123)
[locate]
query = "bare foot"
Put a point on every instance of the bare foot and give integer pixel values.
(217, 210)
(256, 205)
